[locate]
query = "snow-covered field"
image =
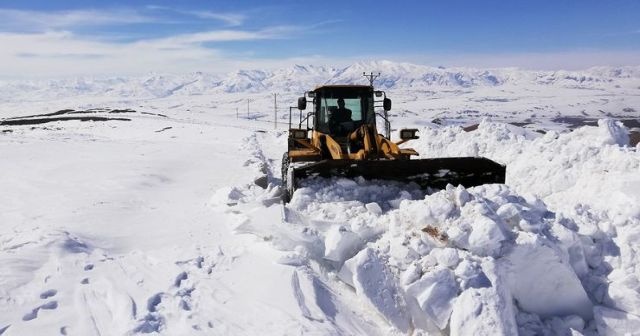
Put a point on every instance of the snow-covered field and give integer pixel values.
(166, 217)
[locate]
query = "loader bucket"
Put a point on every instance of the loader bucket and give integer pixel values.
(427, 173)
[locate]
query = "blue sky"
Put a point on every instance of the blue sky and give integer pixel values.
(134, 36)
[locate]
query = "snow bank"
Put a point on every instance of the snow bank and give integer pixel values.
(534, 256)
(579, 166)
(485, 245)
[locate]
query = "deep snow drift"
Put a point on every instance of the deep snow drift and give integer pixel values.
(543, 254)
(166, 218)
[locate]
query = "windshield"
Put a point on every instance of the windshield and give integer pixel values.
(345, 112)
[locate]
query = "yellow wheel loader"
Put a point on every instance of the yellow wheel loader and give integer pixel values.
(339, 137)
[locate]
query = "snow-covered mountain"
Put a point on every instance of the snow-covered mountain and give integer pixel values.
(298, 78)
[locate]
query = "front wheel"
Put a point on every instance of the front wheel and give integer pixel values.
(284, 175)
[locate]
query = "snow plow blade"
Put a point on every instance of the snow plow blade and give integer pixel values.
(427, 173)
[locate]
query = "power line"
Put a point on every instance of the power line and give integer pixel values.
(371, 77)
(275, 110)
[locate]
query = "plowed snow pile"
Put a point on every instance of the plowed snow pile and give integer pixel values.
(551, 252)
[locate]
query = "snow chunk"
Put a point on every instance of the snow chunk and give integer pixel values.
(471, 275)
(341, 244)
(298, 257)
(486, 237)
(226, 196)
(431, 299)
(374, 208)
(376, 284)
(615, 322)
(611, 132)
(574, 322)
(411, 274)
(541, 282)
(446, 256)
(518, 216)
(623, 294)
(480, 311)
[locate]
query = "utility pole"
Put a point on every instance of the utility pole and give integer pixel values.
(275, 110)
(290, 108)
(237, 115)
(371, 77)
(248, 109)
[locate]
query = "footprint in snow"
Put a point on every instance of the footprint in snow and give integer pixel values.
(153, 321)
(50, 305)
(153, 302)
(88, 267)
(48, 293)
(199, 261)
(181, 277)
(34, 313)
(185, 298)
(31, 315)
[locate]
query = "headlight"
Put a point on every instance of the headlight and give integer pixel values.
(298, 134)
(409, 134)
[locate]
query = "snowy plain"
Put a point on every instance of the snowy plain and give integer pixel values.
(160, 212)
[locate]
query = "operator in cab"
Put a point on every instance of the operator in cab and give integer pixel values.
(341, 114)
(340, 121)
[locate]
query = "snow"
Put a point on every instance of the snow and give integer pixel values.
(541, 283)
(431, 299)
(171, 222)
(615, 322)
(341, 244)
(374, 282)
(479, 311)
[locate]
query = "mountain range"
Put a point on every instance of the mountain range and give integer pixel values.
(298, 78)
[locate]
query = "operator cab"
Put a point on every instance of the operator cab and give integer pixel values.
(345, 114)
(340, 110)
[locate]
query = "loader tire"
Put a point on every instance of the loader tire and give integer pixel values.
(286, 193)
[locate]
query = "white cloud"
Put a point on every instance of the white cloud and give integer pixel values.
(219, 36)
(63, 54)
(231, 19)
(58, 54)
(44, 44)
(25, 20)
(51, 49)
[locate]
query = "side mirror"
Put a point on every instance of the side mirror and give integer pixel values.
(409, 134)
(302, 103)
(387, 104)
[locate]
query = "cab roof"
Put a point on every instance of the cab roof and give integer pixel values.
(342, 86)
